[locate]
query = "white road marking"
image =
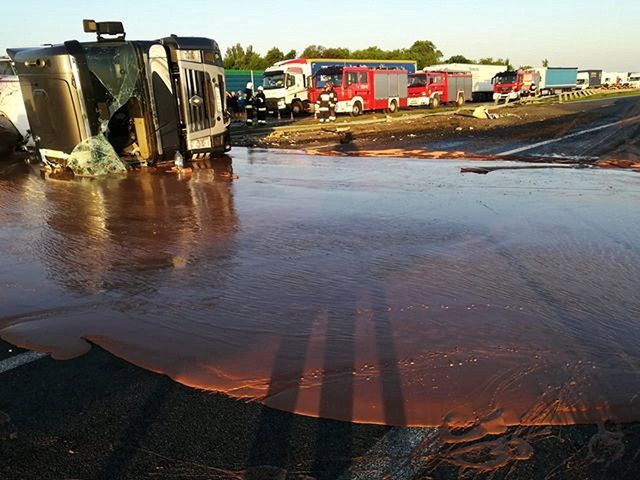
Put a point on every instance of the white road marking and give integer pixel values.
(399, 455)
(19, 360)
(571, 135)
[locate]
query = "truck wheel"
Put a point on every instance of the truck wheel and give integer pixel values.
(460, 101)
(393, 107)
(296, 108)
(356, 111)
(435, 102)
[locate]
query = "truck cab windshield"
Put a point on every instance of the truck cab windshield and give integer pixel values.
(322, 79)
(506, 77)
(273, 80)
(6, 68)
(417, 80)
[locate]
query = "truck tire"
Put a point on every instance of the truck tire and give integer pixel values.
(393, 107)
(435, 102)
(460, 100)
(357, 109)
(296, 107)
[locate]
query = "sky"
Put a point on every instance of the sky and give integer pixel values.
(587, 34)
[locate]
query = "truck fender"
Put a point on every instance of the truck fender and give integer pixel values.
(347, 105)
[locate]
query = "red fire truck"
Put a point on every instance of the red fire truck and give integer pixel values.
(361, 89)
(435, 88)
(512, 85)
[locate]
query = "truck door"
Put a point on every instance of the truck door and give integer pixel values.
(198, 99)
(437, 85)
(165, 112)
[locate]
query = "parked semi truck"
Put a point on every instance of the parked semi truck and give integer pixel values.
(589, 79)
(433, 88)
(361, 89)
(481, 75)
(286, 83)
(512, 85)
(142, 101)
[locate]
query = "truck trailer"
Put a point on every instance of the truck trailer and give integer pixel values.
(615, 79)
(481, 75)
(361, 89)
(286, 83)
(435, 88)
(139, 102)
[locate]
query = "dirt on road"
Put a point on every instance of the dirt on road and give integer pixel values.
(458, 133)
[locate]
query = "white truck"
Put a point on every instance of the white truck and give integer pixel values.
(610, 79)
(482, 88)
(634, 79)
(286, 83)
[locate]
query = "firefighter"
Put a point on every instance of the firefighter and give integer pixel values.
(261, 106)
(323, 104)
(333, 101)
(248, 103)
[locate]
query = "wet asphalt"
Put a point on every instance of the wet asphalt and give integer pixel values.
(99, 417)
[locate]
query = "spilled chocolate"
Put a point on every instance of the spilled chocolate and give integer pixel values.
(390, 291)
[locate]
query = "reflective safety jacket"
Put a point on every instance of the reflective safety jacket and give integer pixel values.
(327, 101)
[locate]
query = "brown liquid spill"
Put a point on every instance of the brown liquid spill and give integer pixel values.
(398, 293)
(424, 153)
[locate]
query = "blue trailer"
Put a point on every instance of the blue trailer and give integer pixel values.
(557, 79)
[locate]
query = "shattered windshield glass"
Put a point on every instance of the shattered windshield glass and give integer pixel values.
(94, 157)
(115, 74)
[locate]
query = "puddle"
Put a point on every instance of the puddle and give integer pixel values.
(397, 292)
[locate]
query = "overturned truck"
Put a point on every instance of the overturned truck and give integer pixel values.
(99, 107)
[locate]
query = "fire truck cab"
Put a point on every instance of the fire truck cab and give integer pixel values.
(434, 88)
(361, 89)
(511, 85)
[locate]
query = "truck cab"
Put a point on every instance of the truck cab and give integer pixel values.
(511, 85)
(285, 87)
(435, 88)
(143, 101)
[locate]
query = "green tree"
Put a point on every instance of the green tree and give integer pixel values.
(458, 59)
(291, 55)
(253, 60)
(337, 52)
(313, 51)
(545, 62)
(424, 52)
(273, 56)
(234, 57)
(374, 53)
(525, 67)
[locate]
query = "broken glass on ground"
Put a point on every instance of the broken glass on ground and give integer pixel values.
(95, 156)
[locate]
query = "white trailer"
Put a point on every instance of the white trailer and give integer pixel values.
(614, 78)
(482, 88)
(634, 79)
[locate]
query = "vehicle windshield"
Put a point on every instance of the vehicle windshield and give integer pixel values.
(321, 79)
(273, 80)
(6, 68)
(506, 77)
(417, 80)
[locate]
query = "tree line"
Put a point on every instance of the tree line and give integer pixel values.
(424, 52)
